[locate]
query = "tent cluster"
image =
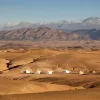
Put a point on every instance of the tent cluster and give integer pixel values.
(38, 72)
(64, 71)
(45, 72)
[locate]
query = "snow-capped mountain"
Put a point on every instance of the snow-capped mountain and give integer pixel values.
(92, 20)
(89, 23)
(11, 24)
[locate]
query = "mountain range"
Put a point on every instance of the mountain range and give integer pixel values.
(89, 23)
(49, 34)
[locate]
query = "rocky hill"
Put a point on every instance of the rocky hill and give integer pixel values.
(34, 34)
(48, 34)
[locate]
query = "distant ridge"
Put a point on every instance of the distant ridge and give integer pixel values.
(89, 23)
(48, 34)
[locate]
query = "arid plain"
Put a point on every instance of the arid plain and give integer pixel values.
(16, 84)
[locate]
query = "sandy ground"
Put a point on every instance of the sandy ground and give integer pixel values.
(15, 85)
(90, 94)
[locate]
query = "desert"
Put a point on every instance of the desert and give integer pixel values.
(16, 83)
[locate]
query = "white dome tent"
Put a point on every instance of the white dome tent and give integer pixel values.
(66, 71)
(94, 72)
(27, 71)
(49, 72)
(81, 72)
(46, 71)
(37, 72)
(85, 71)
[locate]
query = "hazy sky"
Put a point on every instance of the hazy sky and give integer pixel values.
(47, 10)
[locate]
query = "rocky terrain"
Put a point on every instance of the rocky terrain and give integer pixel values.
(46, 37)
(34, 34)
(48, 34)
